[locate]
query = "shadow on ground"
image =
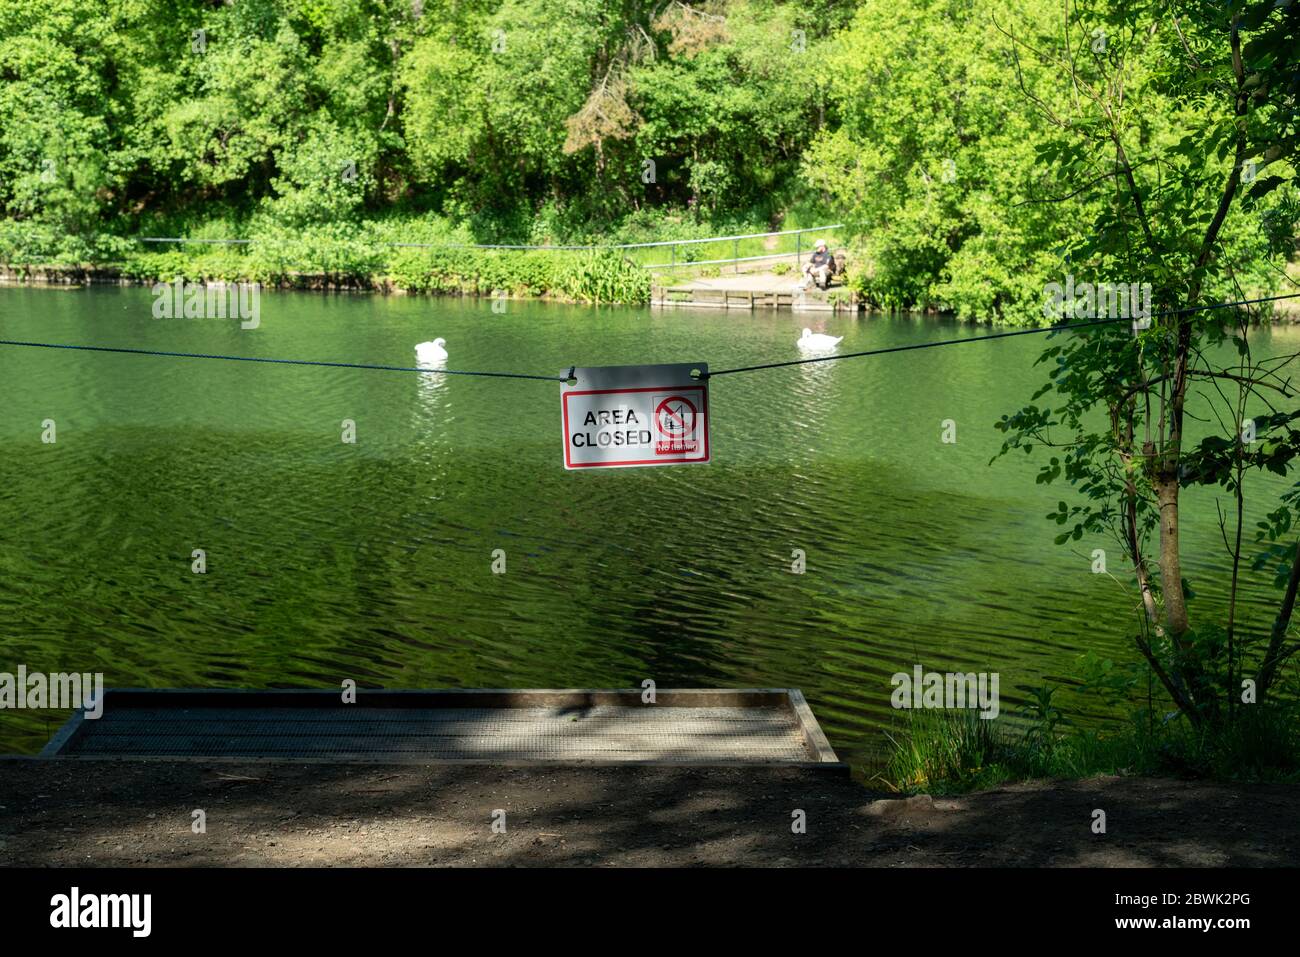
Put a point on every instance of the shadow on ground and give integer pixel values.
(124, 813)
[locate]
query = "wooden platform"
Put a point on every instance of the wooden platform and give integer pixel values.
(745, 299)
(751, 291)
(748, 726)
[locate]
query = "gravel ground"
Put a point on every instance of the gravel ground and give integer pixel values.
(125, 813)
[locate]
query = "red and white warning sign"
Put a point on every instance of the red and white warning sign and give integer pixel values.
(625, 416)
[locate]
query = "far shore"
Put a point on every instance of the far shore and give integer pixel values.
(71, 277)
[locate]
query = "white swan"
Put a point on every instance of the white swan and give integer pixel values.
(431, 351)
(817, 342)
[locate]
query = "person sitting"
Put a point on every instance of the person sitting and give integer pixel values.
(821, 265)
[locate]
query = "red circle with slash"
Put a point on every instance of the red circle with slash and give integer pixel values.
(676, 423)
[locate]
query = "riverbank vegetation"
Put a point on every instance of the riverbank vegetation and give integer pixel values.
(956, 751)
(1138, 416)
(320, 129)
(1141, 423)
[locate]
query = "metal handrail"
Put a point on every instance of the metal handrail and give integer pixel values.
(664, 242)
(716, 262)
(722, 239)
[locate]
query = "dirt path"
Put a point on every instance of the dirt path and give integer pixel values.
(134, 813)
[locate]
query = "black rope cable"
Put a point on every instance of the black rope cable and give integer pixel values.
(997, 335)
(569, 377)
(292, 362)
(919, 345)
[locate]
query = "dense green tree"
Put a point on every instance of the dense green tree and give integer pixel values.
(546, 120)
(1182, 213)
(728, 118)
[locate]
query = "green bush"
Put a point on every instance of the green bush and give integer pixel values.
(435, 262)
(27, 244)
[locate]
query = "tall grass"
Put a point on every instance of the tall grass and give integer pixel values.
(602, 277)
(948, 751)
(943, 749)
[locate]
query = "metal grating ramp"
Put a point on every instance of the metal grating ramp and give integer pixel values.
(606, 727)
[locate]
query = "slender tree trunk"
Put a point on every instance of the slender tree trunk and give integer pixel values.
(1273, 657)
(1236, 572)
(1171, 565)
(1172, 680)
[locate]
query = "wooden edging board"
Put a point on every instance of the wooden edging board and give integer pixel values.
(821, 755)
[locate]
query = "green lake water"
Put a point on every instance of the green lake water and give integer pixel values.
(373, 561)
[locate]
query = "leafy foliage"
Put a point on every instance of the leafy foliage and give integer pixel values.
(552, 121)
(1175, 199)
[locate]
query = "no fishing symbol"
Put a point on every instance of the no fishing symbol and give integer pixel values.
(628, 416)
(675, 419)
